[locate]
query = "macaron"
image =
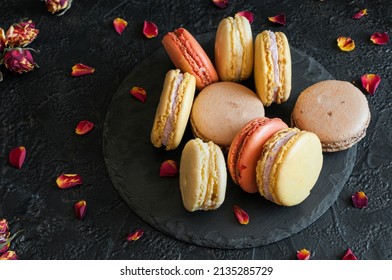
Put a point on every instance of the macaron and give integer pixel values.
(246, 148)
(203, 176)
(221, 110)
(173, 110)
(289, 166)
(234, 49)
(272, 67)
(188, 56)
(336, 111)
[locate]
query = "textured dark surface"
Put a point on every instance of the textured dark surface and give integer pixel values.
(133, 165)
(41, 109)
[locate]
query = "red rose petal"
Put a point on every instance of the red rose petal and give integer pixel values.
(360, 14)
(360, 200)
(139, 93)
(303, 254)
(168, 169)
(65, 181)
(346, 44)
(9, 255)
(221, 3)
(150, 30)
(242, 216)
(349, 255)
(135, 235)
(83, 127)
(80, 209)
(370, 82)
(379, 38)
(81, 70)
(279, 19)
(119, 25)
(17, 157)
(249, 15)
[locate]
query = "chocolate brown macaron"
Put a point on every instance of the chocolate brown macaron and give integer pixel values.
(336, 111)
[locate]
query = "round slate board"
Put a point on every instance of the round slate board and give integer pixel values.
(133, 165)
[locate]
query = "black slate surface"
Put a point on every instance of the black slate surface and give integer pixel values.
(41, 109)
(133, 165)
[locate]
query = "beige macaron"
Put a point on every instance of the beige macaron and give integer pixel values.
(174, 108)
(234, 49)
(203, 176)
(221, 110)
(336, 111)
(272, 67)
(289, 166)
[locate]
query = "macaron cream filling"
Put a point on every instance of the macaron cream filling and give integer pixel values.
(191, 56)
(173, 101)
(275, 62)
(269, 162)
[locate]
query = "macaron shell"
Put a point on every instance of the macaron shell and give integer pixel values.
(263, 68)
(221, 110)
(193, 174)
(183, 57)
(246, 150)
(336, 111)
(296, 169)
(234, 49)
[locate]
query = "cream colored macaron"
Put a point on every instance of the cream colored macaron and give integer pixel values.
(203, 176)
(234, 49)
(272, 67)
(289, 166)
(174, 108)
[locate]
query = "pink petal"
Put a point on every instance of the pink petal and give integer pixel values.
(221, 3)
(370, 82)
(83, 127)
(249, 15)
(349, 255)
(360, 14)
(17, 157)
(150, 30)
(303, 254)
(80, 209)
(119, 25)
(168, 169)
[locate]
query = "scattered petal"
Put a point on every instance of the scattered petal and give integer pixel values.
(279, 19)
(349, 255)
(249, 15)
(346, 44)
(3, 226)
(168, 169)
(135, 235)
(119, 25)
(360, 14)
(221, 3)
(19, 60)
(65, 181)
(379, 38)
(242, 216)
(360, 200)
(370, 82)
(83, 127)
(139, 93)
(21, 34)
(150, 30)
(17, 157)
(80, 209)
(9, 255)
(81, 70)
(303, 254)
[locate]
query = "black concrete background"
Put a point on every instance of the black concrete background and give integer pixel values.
(40, 111)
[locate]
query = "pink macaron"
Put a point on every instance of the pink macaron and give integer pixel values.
(246, 148)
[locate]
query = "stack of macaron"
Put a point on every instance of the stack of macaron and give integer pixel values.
(264, 155)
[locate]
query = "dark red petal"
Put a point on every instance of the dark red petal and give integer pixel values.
(135, 235)
(349, 255)
(80, 209)
(83, 127)
(249, 15)
(360, 14)
(139, 93)
(379, 38)
(370, 82)
(119, 25)
(221, 3)
(150, 30)
(360, 200)
(303, 254)
(279, 19)
(17, 157)
(168, 169)
(81, 70)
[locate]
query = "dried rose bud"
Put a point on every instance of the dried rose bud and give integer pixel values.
(56, 6)
(3, 40)
(21, 34)
(241, 215)
(19, 61)
(9, 255)
(80, 209)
